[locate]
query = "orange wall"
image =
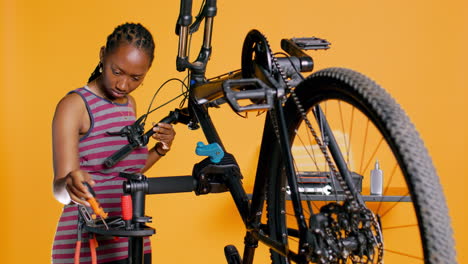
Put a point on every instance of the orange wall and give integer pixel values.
(417, 50)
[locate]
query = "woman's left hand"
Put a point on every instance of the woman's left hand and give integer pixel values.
(165, 134)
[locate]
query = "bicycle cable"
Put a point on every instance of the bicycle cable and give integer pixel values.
(183, 85)
(149, 111)
(224, 74)
(167, 102)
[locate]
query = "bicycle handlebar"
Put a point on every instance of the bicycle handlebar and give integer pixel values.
(173, 117)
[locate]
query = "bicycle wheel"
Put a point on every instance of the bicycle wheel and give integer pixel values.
(374, 136)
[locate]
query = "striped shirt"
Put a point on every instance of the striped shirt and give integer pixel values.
(94, 147)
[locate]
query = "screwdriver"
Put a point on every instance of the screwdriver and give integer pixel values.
(96, 206)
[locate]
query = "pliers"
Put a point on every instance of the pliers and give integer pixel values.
(92, 241)
(79, 230)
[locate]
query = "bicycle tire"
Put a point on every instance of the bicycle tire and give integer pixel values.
(347, 88)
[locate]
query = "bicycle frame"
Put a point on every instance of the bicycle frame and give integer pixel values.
(200, 90)
(201, 94)
(249, 211)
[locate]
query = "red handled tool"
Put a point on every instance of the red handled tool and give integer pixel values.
(78, 243)
(93, 202)
(92, 245)
(127, 207)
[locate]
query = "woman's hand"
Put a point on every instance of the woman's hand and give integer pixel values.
(165, 134)
(76, 189)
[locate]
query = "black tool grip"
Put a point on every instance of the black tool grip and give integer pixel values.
(90, 189)
(119, 155)
(174, 184)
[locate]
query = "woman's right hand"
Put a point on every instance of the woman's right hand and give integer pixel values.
(78, 191)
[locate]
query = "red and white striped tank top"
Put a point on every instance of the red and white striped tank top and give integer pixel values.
(94, 148)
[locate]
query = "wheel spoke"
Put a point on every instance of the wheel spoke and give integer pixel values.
(304, 146)
(345, 139)
(387, 186)
(364, 147)
(404, 254)
(350, 133)
(398, 227)
(371, 158)
(393, 206)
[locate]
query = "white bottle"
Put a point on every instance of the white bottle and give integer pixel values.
(376, 180)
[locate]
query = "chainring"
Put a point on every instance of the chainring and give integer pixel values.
(255, 53)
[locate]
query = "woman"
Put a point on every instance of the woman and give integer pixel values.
(81, 142)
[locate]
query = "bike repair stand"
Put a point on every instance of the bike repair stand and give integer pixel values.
(208, 177)
(136, 186)
(132, 224)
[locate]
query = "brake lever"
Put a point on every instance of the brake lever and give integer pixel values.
(136, 138)
(133, 132)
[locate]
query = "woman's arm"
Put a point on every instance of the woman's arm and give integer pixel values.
(68, 122)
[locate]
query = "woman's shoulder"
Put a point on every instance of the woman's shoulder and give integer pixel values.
(71, 101)
(131, 102)
(68, 117)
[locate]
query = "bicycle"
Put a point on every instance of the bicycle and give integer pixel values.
(321, 201)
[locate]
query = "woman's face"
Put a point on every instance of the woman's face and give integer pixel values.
(123, 70)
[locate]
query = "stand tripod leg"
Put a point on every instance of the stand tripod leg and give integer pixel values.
(135, 250)
(135, 244)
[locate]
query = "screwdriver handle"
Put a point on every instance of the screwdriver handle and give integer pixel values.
(97, 208)
(94, 203)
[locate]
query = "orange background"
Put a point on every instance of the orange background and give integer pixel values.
(417, 50)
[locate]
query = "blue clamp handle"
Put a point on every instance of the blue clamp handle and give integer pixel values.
(213, 150)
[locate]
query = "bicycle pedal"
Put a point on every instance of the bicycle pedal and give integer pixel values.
(232, 255)
(312, 43)
(261, 95)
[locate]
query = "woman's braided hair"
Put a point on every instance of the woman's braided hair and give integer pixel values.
(128, 33)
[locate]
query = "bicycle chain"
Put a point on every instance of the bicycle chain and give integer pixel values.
(321, 145)
(355, 206)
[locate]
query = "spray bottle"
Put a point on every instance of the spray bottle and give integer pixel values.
(376, 180)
